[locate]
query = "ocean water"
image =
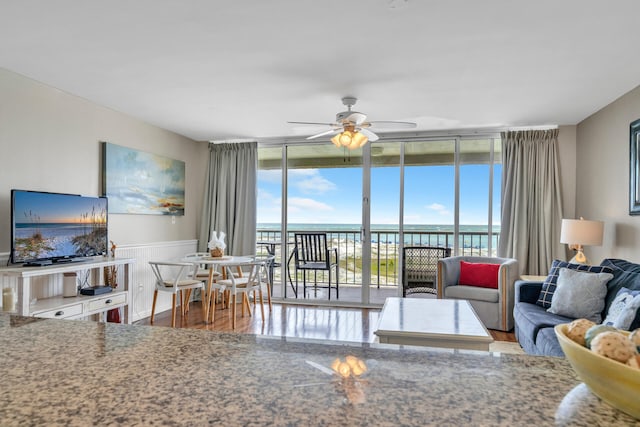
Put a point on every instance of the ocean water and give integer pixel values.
(471, 236)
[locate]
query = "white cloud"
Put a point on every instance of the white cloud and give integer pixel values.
(310, 181)
(298, 204)
(441, 209)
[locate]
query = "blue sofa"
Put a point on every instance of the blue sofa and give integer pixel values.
(533, 325)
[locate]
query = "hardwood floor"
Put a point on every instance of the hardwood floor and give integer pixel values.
(297, 321)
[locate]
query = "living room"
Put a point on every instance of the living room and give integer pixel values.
(52, 139)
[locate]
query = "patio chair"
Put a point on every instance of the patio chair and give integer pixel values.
(311, 253)
(419, 268)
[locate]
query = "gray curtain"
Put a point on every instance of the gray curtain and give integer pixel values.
(531, 200)
(230, 194)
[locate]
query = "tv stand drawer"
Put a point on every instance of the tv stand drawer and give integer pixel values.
(61, 312)
(107, 301)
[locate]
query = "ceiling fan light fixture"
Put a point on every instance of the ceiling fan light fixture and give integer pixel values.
(349, 139)
(352, 123)
(360, 139)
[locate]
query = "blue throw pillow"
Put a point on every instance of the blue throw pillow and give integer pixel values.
(550, 283)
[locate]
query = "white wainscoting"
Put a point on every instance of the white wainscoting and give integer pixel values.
(142, 283)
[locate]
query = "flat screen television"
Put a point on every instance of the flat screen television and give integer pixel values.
(54, 227)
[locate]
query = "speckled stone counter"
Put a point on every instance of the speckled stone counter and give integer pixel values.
(57, 372)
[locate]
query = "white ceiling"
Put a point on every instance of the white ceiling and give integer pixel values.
(234, 69)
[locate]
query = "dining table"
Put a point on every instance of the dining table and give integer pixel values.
(225, 263)
(270, 246)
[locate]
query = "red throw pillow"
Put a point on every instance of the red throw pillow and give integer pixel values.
(476, 274)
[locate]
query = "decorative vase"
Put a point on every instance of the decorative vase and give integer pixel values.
(217, 253)
(113, 315)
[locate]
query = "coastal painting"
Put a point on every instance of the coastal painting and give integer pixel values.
(137, 182)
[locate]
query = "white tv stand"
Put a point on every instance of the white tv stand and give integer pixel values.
(77, 307)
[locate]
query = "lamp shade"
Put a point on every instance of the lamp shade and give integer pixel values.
(581, 232)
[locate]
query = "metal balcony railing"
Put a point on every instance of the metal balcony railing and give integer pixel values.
(385, 245)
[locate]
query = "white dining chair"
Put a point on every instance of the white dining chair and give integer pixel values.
(204, 270)
(174, 278)
(250, 282)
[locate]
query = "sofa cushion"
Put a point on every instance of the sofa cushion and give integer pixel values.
(548, 344)
(471, 293)
(550, 283)
(624, 309)
(580, 294)
(530, 318)
(527, 291)
(479, 274)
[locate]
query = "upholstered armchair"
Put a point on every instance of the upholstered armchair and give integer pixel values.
(493, 306)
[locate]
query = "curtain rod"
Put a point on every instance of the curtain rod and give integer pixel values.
(230, 141)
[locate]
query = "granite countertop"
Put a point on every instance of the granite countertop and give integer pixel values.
(79, 373)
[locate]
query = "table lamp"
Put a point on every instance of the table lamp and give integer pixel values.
(579, 232)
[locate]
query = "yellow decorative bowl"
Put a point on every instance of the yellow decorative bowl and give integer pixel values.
(612, 381)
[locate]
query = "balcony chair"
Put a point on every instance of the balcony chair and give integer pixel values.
(176, 277)
(311, 253)
(419, 267)
(494, 307)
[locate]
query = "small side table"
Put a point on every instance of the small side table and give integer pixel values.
(533, 278)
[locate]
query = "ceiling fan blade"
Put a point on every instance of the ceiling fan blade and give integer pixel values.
(314, 124)
(370, 135)
(385, 124)
(329, 132)
(355, 117)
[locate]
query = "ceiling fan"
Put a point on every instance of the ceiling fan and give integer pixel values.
(351, 130)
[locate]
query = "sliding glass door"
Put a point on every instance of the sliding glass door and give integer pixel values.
(372, 202)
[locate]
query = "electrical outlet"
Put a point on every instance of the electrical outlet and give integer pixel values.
(173, 219)
(140, 287)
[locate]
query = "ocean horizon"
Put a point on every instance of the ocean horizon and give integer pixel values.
(447, 228)
(414, 234)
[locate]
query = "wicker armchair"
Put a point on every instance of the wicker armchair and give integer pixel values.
(419, 268)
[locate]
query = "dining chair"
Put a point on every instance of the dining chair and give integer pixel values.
(204, 270)
(312, 253)
(249, 283)
(266, 276)
(174, 278)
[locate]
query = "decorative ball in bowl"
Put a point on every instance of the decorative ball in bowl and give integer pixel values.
(614, 382)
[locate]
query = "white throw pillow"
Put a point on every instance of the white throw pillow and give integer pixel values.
(580, 294)
(623, 309)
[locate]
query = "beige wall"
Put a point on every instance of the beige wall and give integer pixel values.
(50, 141)
(603, 177)
(567, 165)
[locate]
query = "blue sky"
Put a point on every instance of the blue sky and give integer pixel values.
(32, 206)
(334, 196)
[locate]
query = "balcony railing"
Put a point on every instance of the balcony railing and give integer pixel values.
(385, 246)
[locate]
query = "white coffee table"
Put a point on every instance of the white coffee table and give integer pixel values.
(433, 323)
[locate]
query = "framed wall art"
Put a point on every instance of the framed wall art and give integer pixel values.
(137, 182)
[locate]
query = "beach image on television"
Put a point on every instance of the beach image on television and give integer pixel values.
(50, 225)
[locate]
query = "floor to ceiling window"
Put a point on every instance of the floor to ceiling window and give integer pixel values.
(430, 191)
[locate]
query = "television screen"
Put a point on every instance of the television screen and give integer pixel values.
(55, 227)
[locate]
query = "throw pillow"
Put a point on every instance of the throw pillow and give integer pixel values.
(623, 309)
(477, 274)
(580, 294)
(549, 285)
